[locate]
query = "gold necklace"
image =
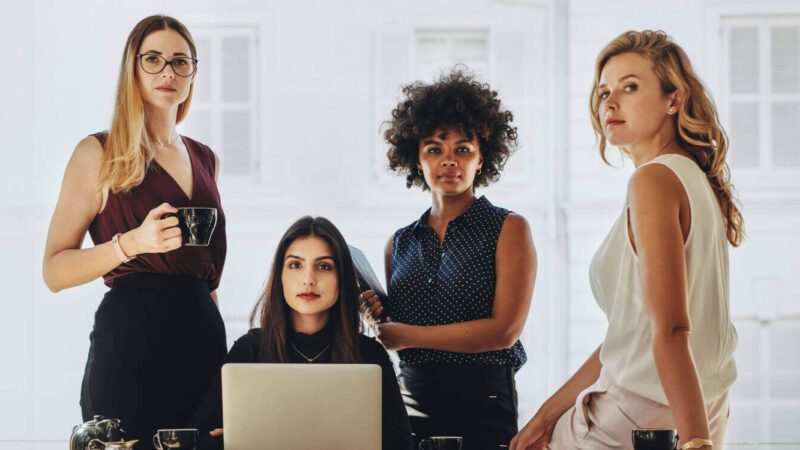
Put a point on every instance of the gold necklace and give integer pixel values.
(311, 360)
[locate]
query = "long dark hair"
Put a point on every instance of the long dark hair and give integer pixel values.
(273, 314)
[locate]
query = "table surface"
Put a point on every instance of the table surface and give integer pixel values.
(764, 446)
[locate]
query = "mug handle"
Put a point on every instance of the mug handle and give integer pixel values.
(156, 442)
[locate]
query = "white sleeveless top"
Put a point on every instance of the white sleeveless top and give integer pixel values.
(616, 279)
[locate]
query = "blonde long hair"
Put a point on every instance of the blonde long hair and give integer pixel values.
(699, 130)
(128, 150)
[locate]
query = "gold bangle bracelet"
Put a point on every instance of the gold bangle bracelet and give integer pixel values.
(696, 443)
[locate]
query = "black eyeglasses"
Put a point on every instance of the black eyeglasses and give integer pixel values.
(182, 66)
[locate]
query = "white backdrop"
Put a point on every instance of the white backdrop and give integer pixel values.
(317, 78)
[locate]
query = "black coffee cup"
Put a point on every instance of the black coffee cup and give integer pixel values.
(440, 443)
(654, 439)
(176, 439)
(196, 224)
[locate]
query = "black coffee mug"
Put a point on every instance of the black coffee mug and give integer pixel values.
(654, 439)
(440, 443)
(176, 439)
(196, 224)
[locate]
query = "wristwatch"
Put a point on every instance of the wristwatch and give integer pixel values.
(118, 248)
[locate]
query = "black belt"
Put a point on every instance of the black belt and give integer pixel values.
(455, 372)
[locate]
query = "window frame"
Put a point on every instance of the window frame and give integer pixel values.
(765, 182)
(262, 186)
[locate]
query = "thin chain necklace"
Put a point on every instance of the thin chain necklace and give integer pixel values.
(664, 148)
(172, 139)
(311, 360)
(658, 153)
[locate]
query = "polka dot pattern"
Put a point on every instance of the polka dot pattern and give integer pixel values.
(435, 284)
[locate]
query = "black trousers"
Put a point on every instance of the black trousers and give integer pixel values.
(158, 340)
(475, 402)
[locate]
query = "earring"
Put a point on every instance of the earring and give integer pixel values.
(479, 172)
(419, 172)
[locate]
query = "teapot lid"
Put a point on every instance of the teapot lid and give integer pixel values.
(118, 445)
(101, 420)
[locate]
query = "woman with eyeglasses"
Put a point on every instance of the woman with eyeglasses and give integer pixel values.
(158, 336)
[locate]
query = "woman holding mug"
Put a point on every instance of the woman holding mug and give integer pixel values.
(158, 336)
(661, 275)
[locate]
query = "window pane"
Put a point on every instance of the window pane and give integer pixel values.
(509, 50)
(785, 59)
(744, 60)
(236, 69)
(784, 424)
(437, 51)
(786, 135)
(197, 126)
(743, 150)
(236, 142)
(743, 424)
(393, 64)
(202, 81)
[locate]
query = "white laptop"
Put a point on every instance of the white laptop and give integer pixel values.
(301, 406)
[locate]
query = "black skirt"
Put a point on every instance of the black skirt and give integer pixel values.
(478, 403)
(158, 340)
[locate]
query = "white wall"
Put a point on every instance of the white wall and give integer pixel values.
(318, 115)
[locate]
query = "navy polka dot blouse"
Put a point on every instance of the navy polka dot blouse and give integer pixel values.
(435, 284)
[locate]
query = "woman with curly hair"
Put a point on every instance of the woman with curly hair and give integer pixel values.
(461, 276)
(661, 275)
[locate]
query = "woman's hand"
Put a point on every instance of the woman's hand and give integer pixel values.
(393, 335)
(216, 432)
(535, 435)
(155, 234)
(371, 307)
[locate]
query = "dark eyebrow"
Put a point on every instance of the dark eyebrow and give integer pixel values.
(630, 75)
(303, 259)
(464, 141)
(430, 141)
(156, 52)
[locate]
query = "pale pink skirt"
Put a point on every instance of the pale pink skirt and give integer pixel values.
(604, 414)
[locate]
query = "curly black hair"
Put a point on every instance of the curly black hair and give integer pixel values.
(455, 101)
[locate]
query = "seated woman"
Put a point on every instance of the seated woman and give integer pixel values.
(308, 314)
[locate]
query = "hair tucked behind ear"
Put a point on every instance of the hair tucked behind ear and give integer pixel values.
(698, 128)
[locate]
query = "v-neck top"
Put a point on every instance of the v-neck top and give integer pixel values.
(435, 283)
(126, 211)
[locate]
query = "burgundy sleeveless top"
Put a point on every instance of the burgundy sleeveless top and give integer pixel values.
(126, 211)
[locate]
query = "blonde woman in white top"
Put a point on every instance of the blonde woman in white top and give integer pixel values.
(661, 275)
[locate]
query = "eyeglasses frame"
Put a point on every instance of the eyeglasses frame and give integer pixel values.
(167, 62)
